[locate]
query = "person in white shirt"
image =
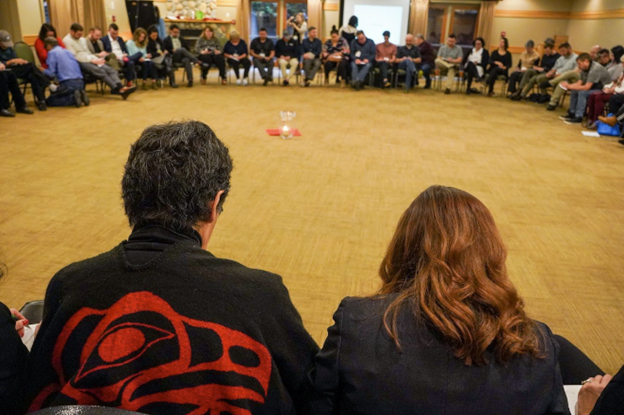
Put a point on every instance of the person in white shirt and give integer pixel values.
(92, 64)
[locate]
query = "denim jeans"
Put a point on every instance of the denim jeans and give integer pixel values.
(359, 72)
(578, 102)
(410, 68)
(66, 99)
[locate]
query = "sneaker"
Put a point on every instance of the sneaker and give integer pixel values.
(245, 82)
(190, 84)
(7, 113)
(565, 117)
(573, 120)
(447, 91)
(239, 82)
(125, 92)
(517, 98)
(307, 83)
(550, 107)
(84, 98)
(285, 83)
(77, 99)
(41, 105)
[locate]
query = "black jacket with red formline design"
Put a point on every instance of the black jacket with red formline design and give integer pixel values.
(160, 326)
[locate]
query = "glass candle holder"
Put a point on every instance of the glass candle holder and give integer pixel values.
(287, 124)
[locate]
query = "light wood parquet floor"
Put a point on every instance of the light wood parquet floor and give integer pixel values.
(319, 210)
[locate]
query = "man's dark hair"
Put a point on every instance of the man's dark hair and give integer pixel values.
(174, 26)
(584, 57)
(386, 33)
(452, 36)
(76, 27)
(50, 41)
(174, 171)
(359, 32)
(262, 29)
(565, 45)
(113, 26)
(604, 52)
(311, 28)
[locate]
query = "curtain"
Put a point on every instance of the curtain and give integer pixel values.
(94, 14)
(315, 15)
(63, 13)
(419, 13)
(486, 21)
(243, 13)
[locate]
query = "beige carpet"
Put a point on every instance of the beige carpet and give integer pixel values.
(320, 209)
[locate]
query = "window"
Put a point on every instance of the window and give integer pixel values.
(464, 24)
(264, 14)
(459, 19)
(273, 16)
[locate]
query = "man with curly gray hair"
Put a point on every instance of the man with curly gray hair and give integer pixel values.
(159, 325)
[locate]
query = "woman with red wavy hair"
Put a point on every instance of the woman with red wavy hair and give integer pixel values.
(447, 333)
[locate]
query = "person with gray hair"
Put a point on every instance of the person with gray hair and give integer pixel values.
(428, 57)
(528, 59)
(182, 330)
(63, 66)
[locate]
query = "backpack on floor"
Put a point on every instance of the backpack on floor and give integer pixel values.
(534, 97)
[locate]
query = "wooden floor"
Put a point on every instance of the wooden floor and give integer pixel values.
(320, 209)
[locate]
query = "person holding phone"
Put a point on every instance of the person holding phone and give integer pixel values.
(138, 44)
(210, 52)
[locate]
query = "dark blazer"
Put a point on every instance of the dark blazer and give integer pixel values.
(168, 43)
(485, 58)
(152, 47)
(360, 371)
(107, 44)
(611, 400)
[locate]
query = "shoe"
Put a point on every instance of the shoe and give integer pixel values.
(427, 85)
(621, 142)
(551, 107)
(24, 110)
(387, 84)
(173, 85)
(405, 91)
(7, 113)
(245, 82)
(447, 91)
(145, 86)
(517, 98)
(190, 84)
(41, 105)
(285, 83)
(491, 94)
(125, 92)
(202, 81)
(474, 91)
(223, 81)
(77, 99)
(84, 98)
(265, 83)
(611, 121)
(573, 120)
(565, 117)
(307, 83)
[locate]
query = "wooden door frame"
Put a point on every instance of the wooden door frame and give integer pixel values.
(464, 7)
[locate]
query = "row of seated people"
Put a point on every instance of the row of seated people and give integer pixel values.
(159, 325)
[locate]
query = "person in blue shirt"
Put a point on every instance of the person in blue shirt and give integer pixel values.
(363, 52)
(63, 66)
